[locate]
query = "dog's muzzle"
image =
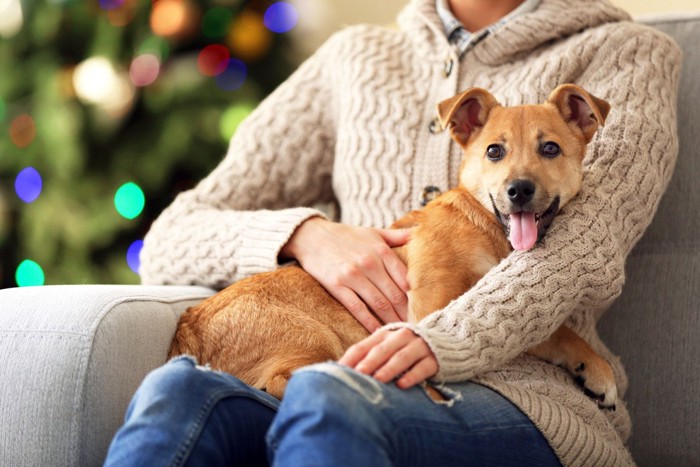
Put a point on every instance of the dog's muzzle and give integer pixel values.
(524, 227)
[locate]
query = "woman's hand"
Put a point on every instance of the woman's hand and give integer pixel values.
(387, 355)
(356, 265)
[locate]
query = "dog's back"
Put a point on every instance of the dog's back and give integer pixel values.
(262, 328)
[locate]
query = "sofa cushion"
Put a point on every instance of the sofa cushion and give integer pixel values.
(72, 357)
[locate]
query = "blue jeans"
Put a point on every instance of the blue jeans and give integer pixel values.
(184, 414)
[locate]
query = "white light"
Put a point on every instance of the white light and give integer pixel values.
(11, 18)
(96, 81)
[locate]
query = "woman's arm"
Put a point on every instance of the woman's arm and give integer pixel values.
(242, 218)
(234, 223)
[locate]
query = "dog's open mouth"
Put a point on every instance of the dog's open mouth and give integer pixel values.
(525, 228)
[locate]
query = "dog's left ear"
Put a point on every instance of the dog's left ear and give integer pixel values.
(466, 113)
(579, 108)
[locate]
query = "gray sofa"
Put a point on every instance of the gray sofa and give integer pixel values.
(72, 356)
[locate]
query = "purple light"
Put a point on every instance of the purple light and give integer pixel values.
(281, 17)
(28, 185)
(132, 255)
(233, 76)
(111, 4)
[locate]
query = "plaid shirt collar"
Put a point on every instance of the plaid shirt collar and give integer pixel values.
(461, 39)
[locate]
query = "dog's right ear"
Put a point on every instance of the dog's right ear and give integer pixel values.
(465, 113)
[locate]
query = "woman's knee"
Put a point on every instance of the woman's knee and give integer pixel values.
(331, 383)
(172, 378)
(323, 392)
(328, 406)
(180, 382)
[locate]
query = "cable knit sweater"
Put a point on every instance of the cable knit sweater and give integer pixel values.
(353, 126)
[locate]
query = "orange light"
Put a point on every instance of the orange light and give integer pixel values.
(173, 18)
(248, 38)
(120, 17)
(22, 131)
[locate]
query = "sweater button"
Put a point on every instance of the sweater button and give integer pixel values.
(429, 193)
(449, 65)
(434, 126)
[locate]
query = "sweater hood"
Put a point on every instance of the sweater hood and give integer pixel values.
(553, 19)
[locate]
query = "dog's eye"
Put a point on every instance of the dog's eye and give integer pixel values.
(550, 149)
(495, 152)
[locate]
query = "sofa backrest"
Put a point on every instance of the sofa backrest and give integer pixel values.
(654, 325)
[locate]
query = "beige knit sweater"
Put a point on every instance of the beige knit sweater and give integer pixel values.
(351, 126)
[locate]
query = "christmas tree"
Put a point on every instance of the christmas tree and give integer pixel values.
(108, 109)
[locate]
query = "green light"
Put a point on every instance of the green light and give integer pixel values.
(2, 109)
(29, 273)
(216, 21)
(155, 45)
(129, 200)
(232, 117)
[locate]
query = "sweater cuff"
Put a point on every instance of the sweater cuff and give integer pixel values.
(266, 235)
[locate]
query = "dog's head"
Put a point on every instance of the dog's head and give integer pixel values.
(525, 162)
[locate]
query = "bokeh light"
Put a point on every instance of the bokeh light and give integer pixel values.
(232, 117)
(248, 38)
(22, 130)
(216, 21)
(129, 200)
(94, 80)
(120, 12)
(111, 4)
(213, 59)
(281, 17)
(97, 81)
(144, 70)
(28, 184)
(11, 17)
(132, 255)
(233, 76)
(155, 45)
(173, 18)
(29, 273)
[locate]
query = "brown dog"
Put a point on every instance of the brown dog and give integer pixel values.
(520, 166)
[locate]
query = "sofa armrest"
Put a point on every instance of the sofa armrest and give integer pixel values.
(72, 357)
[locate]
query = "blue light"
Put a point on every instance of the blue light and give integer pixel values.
(281, 17)
(28, 185)
(132, 255)
(233, 76)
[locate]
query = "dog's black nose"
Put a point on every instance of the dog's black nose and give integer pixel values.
(520, 192)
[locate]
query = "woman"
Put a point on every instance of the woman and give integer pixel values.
(355, 126)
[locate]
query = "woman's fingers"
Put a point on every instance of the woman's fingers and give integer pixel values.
(356, 353)
(418, 373)
(375, 285)
(395, 237)
(356, 307)
(355, 265)
(388, 355)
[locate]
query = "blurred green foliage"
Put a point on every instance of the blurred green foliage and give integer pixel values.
(168, 136)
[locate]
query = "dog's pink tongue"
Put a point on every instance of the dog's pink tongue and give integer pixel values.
(523, 230)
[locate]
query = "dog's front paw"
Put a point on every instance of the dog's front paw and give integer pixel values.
(598, 381)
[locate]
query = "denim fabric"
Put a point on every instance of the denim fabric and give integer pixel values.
(332, 415)
(184, 414)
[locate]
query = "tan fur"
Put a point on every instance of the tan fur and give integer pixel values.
(264, 327)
